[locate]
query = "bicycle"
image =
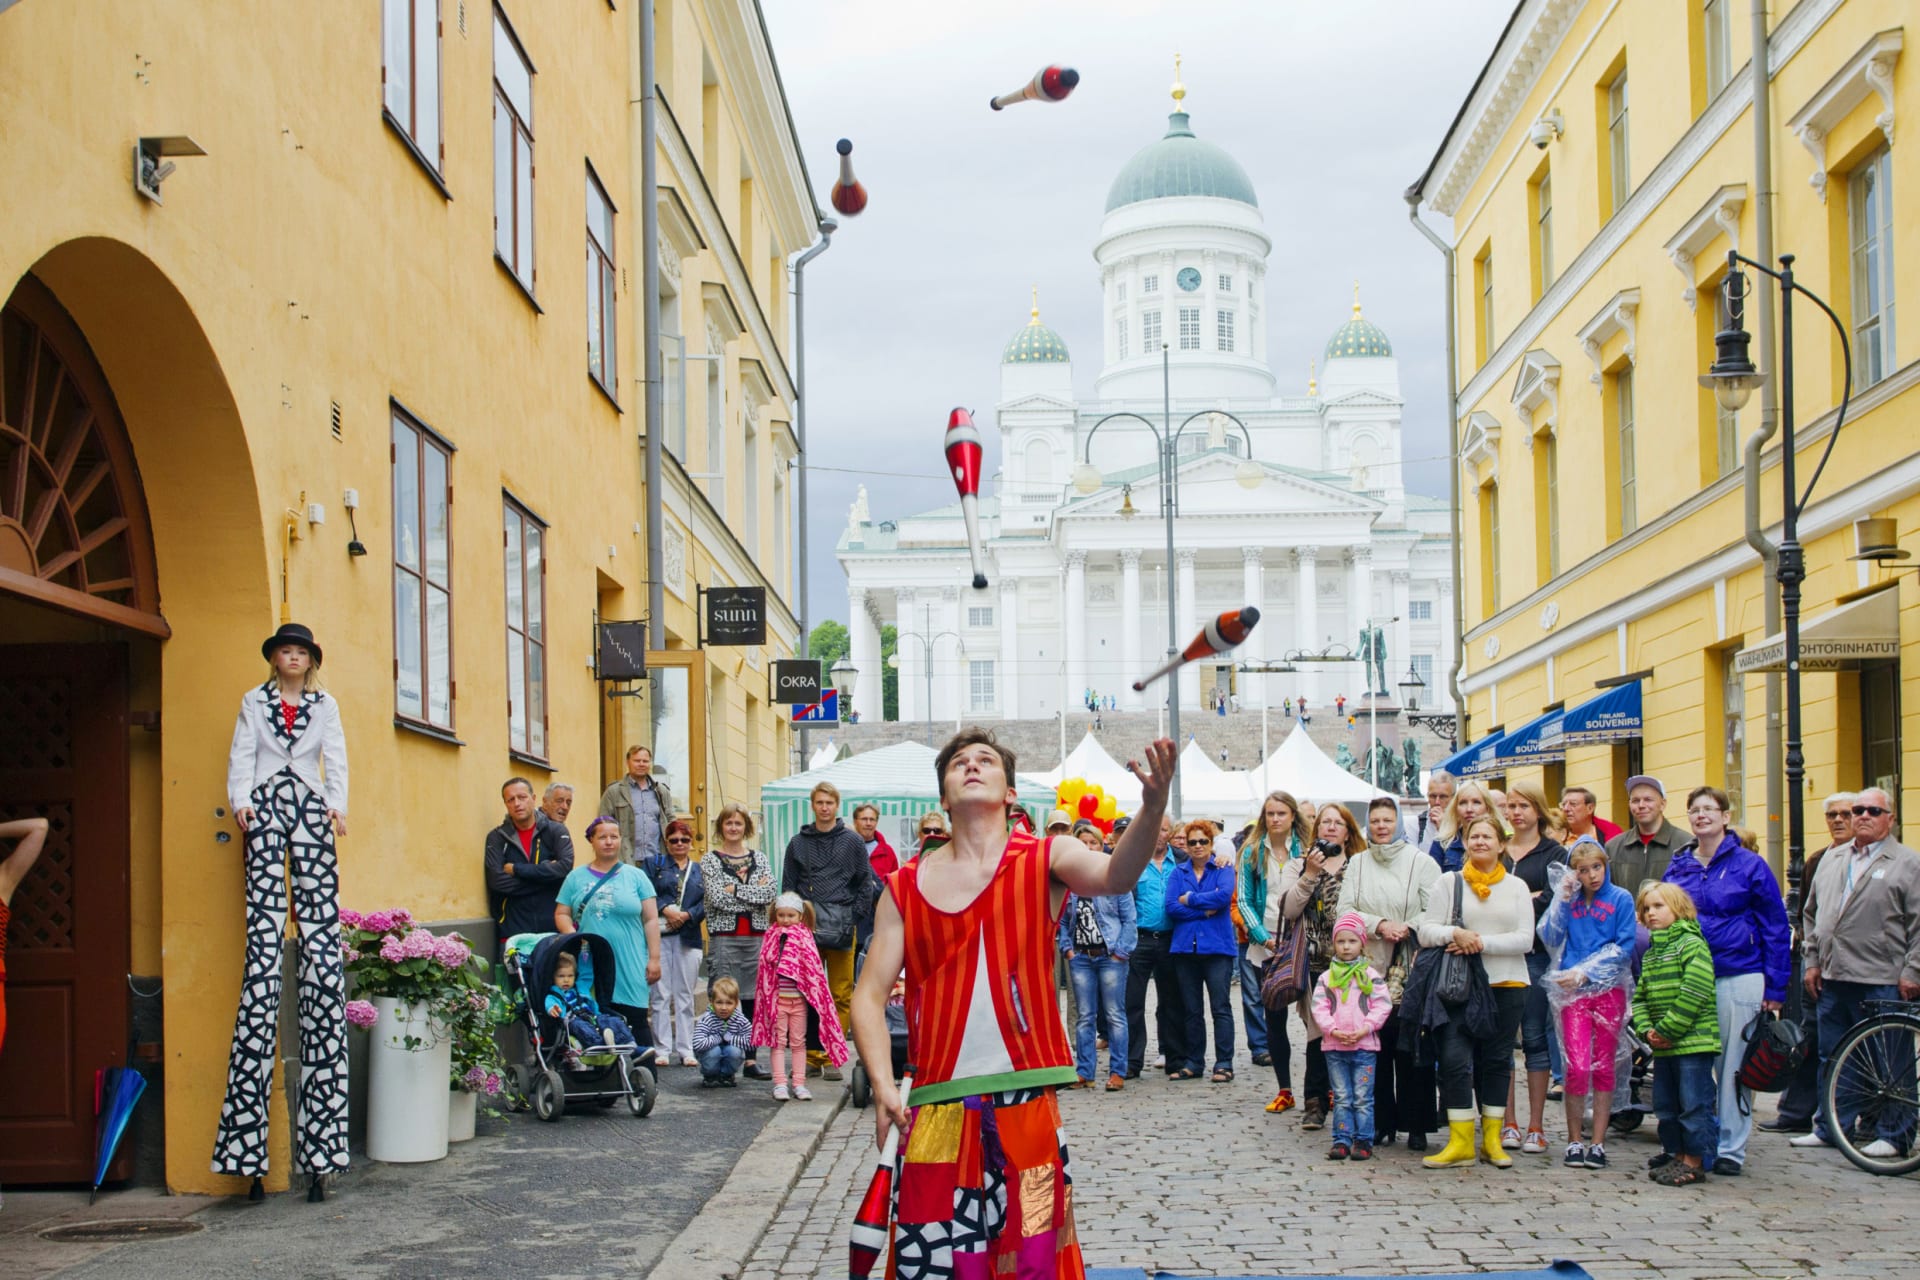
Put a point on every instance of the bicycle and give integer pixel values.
(1872, 1081)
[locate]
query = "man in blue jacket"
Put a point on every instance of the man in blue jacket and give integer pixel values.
(1098, 935)
(1199, 903)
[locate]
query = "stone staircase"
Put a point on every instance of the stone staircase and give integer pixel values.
(1036, 743)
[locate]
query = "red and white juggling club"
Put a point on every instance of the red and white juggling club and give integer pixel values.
(1049, 84)
(1225, 632)
(848, 197)
(963, 464)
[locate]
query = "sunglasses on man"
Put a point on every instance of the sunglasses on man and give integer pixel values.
(933, 831)
(1869, 811)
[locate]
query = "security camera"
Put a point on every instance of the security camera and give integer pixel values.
(1545, 130)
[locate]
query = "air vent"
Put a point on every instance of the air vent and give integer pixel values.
(335, 414)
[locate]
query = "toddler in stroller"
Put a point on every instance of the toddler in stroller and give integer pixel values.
(861, 1087)
(585, 1021)
(547, 1072)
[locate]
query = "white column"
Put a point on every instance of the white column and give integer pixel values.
(1253, 689)
(863, 650)
(1076, 614)
(1189, 677)
(1400, 647)
(1359, 591)
(1438, 695)
(1007, 674)
(1130, 628)
(1306, 620)
(950, 671)
(907, 623)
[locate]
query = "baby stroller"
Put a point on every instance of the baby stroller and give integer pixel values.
(860, 1085)
(1630, 1110)
(549, 1076)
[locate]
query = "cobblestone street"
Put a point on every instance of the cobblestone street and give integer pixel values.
(1198, 1180)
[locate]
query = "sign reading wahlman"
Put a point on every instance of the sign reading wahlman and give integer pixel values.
(1863, 630)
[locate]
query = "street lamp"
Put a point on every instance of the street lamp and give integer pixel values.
(845, 676)
(926, 643)
(1732, 379)
(1442, 725)
(1087, 480)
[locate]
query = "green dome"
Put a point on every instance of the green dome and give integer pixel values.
(1358, 339)
(1035, 344)
(1180, 165)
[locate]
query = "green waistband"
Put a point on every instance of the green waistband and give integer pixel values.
(999, 1082)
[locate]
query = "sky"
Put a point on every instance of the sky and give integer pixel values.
(1332, 109)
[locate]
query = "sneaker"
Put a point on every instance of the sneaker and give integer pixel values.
(728, 1082)
(1813, 1139)
(800, 1094)
(780, 1093)
(1282, 1102)
(1879, 1149)
(1315, 1116)
(1510, 1137)
(1339, 1151)
(1577, 1156)
(833, 1073)
(1361, 1151)
(1661, 1161)
(708, 1082)
(1159, 1061)
(1263, 1059)
(1787, 1124)
(606, 1036)
(1725, 1168)
(1596, 1156)
(1416, 1141)
(1535, 1144)
(754, 1071)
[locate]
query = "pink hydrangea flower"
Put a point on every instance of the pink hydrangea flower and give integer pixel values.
(452, 952)
(400, 916)
(351, 919)
(379, 922)
(361, 1013)
(392, 950)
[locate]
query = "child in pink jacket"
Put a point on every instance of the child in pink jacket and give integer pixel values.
(1350, 1005)
(791, 980)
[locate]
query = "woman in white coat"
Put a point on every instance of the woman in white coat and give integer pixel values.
(287, 783)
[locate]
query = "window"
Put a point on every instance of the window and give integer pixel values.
(1420, 611)
(1870, 219)
(1543, 229)
(715, 480)
(1733, 719)
(1149, 331)
(600, 282)
(980, 680)
(410, 74)
(1550, 462)
(1716, 27)
(1223, 330)
(1623, 435)
(1619, 178)
(979, 616)
(1120, 291)
(1226, 283)
(512, 153)
(1423, 667)
(1189, 328)
(1149, 284)
(1879, 705)
(1490, 522)
(526, 540)
(1119, 337)
(1483, 320)
(750, 488)
(422, 574)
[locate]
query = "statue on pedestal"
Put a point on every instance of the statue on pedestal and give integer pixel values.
(1343, 756)
(1412, 748)
(1373, 652)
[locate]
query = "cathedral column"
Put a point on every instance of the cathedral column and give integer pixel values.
(1188, 679)
(956, 683)
(1306, 617)
(1400, 648)
(1359, 590)
(863, 650)
(1438, 695)
(1253, 690)
(908, 626)
(1076, 614)
(1008, 674)
(1130, 628)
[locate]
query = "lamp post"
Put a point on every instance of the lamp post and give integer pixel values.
(845, 677)
(1086, 479)
(926, 643)
(1441, 725)
(1247, 668)
(1341, 653)
(1732, 379)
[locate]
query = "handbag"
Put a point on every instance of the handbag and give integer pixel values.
(1453, 984)
(1775, 1051)
(1283, 977)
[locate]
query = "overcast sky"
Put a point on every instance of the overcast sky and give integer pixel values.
(1332, 109)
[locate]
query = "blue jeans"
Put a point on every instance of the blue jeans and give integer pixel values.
(1841, 1005)
(1351, 1071)
(1683, 1101)
(720, 1061)
(1100, 991)
(1252, 1012)
(1205, 980)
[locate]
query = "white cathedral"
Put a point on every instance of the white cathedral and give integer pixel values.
(1291, 502)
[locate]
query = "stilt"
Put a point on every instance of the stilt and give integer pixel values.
(256, 1193)
(317, 1189)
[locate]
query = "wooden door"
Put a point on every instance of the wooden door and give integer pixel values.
(63, 755)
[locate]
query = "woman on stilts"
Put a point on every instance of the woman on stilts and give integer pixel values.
(287, 783)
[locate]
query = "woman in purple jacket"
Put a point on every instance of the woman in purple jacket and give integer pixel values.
(1200, 905)
(1745, 923)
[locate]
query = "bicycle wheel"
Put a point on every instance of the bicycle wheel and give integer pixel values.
(1872, 1078)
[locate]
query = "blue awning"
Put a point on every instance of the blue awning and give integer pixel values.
(1538, 741)
(1614, 716)
(1474, 758)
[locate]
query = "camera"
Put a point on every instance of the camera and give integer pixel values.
(1546, 129)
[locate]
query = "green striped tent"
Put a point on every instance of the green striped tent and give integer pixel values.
(899, 779)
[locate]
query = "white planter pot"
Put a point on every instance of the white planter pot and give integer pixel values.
(407, 1087)
(461, 1107)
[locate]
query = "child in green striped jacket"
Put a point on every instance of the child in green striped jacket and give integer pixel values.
(1673, 1009)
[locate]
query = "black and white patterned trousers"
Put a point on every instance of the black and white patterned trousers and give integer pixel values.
(290, 827)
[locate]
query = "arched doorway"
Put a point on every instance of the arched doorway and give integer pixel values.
(77, 574)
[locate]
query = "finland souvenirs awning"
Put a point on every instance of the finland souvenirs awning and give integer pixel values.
(1535, 742)
(1474, 758)
(1614, 716)
(1856, 632)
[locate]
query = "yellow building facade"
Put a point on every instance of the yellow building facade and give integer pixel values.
(372, 359)
(1596, 176)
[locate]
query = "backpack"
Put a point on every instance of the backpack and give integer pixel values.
(1775, 1050)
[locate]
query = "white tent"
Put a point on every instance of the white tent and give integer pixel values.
(1090, 761)
(1300, 767)
(827, 752)
(1208, 791)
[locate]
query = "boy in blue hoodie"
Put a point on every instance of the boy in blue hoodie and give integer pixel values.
(1591, 924)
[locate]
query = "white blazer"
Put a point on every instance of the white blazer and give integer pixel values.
(259, 751)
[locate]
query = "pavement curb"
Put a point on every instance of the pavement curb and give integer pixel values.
(722, 1237)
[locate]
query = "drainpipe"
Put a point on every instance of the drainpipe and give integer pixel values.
(650, 311)
(1769, 408)
(827, 227)
(1453, 474)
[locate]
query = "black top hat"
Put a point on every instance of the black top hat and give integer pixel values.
(290, 633)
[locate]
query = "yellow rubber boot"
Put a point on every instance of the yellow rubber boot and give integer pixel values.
(1491, 1120)
(1459, 1149)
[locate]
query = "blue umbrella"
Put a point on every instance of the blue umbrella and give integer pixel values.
(115, 1091)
